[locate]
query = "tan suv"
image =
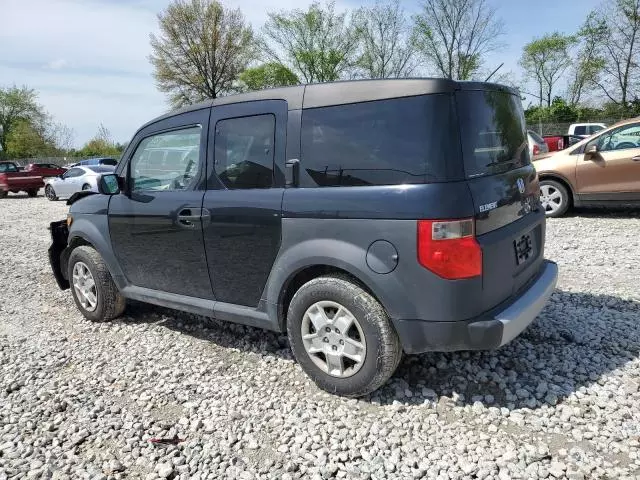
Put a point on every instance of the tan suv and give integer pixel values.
(602, 170)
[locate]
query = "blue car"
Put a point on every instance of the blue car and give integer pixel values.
(95, 162)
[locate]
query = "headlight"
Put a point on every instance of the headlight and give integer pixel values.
(69, 220)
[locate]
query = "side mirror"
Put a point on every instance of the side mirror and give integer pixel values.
(108, 184)
(591, 152)
(293, 173)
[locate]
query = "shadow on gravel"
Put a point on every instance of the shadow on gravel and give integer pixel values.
(602, 212)
(577, 339)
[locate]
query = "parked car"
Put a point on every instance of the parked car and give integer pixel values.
(584, 130)
(13, 180)
(74, 180)
(560, 142)
(602, 170)
(45, 169)
(364, 218)
(536, 144)
(93, 162)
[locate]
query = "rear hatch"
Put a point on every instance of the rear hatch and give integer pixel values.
(504, 187)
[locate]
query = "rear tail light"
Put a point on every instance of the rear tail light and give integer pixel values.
(536, 149)
(449, 248)
(561, 144)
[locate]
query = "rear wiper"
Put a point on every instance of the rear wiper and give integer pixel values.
(506, 162)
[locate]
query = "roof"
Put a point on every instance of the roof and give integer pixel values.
(343, 92)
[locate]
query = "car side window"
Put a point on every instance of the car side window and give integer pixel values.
(244, 151)
(619, 139)
(74, 172)
(167, 161)
(580, 130)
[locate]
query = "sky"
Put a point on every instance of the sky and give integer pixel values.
(88, 58)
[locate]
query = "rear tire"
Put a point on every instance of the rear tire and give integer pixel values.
(97, 297)
(50, 193)
(554, 197)
(3, 193)
(32, 193)
(365, 324)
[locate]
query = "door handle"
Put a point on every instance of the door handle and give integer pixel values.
(188, 217)
(636, 158)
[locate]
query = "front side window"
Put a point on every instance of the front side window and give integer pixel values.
(167, 161)
(244, 151)
(385, 142)
(580, 130)
(74, 172)
(619, 139)
(7, 167)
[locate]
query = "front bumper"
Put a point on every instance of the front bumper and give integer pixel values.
(59, 235)
(492, 330)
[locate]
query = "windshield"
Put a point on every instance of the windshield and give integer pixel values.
(7, 167)
(493, 132)
(536, 138)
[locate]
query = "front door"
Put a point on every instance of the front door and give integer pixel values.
(156, 226)
(69, 183)
(613, 171)
(244, 197)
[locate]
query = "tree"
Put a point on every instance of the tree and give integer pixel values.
(101, 145)
(200, 51)
(386, 49)
(26, 140)
(318, 44)
(590, 60)
(544, 60)
(17, 104)
(621, 71)
(268, 75)
(454, 36)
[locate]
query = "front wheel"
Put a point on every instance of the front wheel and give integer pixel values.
(33, 192)
(94, 292)
(554, 198)
(341, 336)
(50, 193)
(3, 193)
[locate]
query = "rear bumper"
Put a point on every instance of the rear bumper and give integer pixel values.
(490, 331)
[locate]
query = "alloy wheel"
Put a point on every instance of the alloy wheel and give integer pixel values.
(85, 286)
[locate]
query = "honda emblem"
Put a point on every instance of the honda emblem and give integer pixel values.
(520, 183)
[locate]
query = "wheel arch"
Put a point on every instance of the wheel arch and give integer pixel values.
(94, 234)
(563, 181)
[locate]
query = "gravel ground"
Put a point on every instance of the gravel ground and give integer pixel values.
(82, 400)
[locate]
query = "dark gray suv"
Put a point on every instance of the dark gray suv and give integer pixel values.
(365, 219)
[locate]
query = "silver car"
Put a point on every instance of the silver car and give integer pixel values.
(75, 180)
(537, 144)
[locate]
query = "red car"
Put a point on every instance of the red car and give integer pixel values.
(45, 169)
(13, 180)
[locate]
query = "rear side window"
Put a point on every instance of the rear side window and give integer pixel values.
(492, 129)
(385, 142)
(580, 130)
(244, 151)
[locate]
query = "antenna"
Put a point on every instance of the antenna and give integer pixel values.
(494, 72)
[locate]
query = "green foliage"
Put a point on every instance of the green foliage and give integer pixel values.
(200, 51)
(590, 60)
(268, 75)
(17, 104)
(545, 60)
(101, 145)
(318, 44)
(25, 140)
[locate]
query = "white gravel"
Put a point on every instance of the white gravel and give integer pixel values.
(82, 400)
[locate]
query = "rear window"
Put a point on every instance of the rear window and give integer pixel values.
(536, 138)
(386, 142)
(492, 130)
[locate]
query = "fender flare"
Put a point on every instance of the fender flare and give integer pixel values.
(337, 254)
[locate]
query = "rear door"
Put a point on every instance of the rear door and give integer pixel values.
(504, 187)
(155, 227)
(613, 172)
(244, 197)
